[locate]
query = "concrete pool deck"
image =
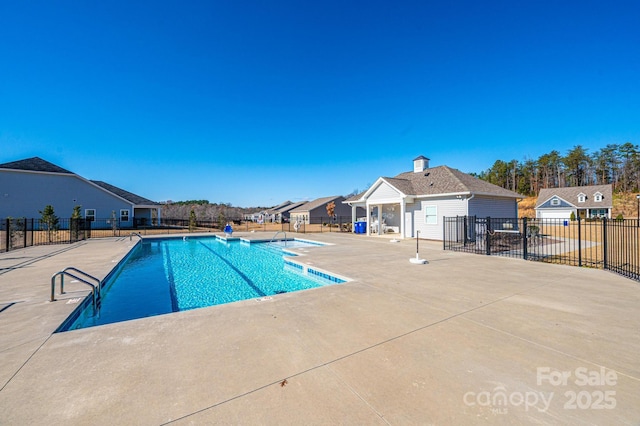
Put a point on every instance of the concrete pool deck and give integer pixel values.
(463, 339)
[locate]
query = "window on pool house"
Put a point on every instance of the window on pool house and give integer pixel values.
(597, 197)
(124, 215)
(90, 214)
(581, 198)
(431, 215)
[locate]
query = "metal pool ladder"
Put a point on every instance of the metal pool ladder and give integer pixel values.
(134, 233)
(95, 288)
(280, 232)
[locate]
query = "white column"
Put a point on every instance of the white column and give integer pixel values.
(368, 221)
(379, 219)
(402, 218)
(353, 218)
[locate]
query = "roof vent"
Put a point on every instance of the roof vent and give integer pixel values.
(427, 174)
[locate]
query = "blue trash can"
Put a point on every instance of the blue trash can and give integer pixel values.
(361, 227)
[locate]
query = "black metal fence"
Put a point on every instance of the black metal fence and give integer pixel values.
(16, 233)
(598, 243)
(23, 232)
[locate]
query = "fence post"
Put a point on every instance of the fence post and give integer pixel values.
(525, 238)
(579, 242)
(604, 243)
(488, 237)
(8, 233)
(24, 231)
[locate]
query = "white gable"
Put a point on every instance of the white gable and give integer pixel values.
(385, 193)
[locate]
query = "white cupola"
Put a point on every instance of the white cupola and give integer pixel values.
(420, 164)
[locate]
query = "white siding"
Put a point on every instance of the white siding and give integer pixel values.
(25, 194)
(384, 193)
(493, 207)
(445, 207)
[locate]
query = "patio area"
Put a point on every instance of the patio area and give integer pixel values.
(463, 339)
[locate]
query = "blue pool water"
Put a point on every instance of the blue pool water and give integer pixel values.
(169, 275)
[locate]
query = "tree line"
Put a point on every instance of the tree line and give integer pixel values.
(614, 164)
(203, 210)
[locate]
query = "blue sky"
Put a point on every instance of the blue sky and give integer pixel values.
(257, 102)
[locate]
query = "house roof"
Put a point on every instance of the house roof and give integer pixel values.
(441, 180)
(35, 164)
(316, 203)
(129, 196)
(292, 206)
(570, 195)
(276, 209)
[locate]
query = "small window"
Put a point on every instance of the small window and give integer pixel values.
(124, 215)
(90, 214)
(555, 202)
(597, 197)
(582, 198)
(431, 215)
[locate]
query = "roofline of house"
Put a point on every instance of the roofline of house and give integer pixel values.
(85, 180)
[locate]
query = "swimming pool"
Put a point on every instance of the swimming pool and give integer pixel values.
(167, 275)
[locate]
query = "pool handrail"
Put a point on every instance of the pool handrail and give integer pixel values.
(94, 293)
(98, 282)
(134, 233)
(276, 234)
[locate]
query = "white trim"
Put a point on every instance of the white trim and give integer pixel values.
(539, 206)
(427, 216)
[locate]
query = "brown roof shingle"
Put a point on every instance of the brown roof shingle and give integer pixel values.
(445, 180)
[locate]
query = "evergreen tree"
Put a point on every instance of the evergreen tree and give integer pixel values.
(49, 221)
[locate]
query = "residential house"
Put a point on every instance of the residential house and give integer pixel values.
(586, 202)
(27, 186)
(418, 200)
(315, 211)
(283, 214)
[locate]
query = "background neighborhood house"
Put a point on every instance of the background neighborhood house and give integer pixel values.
(27, 186)
(586, 202)
(315, 211)
(283, 214)
(418, 200)
(276, 214)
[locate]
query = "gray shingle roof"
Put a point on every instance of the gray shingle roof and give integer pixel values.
(275, 209)
(317, 203)
(441, 180)
(570, 195)
(35, 164)
(292, 206)
(129, 196)
(445, 180)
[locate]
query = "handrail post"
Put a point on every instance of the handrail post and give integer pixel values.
(53, 288)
